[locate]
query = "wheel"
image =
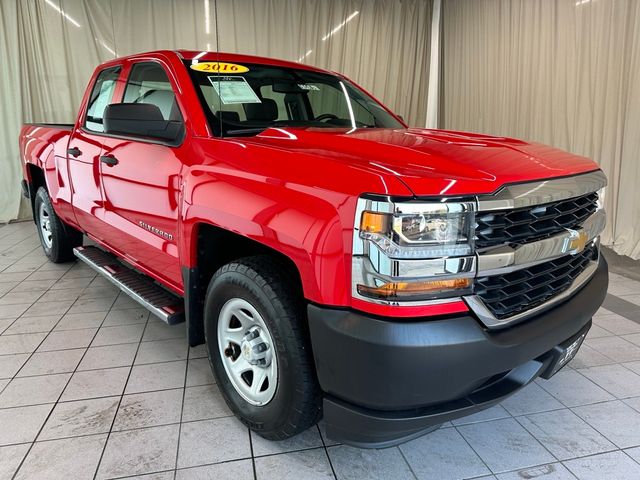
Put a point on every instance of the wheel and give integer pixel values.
(259, 349)
(58, 240)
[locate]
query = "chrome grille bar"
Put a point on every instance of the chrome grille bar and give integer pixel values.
(538, 193)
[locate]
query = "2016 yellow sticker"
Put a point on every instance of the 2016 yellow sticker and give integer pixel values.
(219, 67)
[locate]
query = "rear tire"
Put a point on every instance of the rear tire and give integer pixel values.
(262, 292)
(57, 239)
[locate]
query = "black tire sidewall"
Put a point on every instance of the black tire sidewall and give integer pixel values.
(63, 237)
(273, 415)
(42, 197)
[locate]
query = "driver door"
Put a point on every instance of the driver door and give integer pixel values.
(141, 182)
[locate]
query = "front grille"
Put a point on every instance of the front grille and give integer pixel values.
(532, 223)
(512, 293)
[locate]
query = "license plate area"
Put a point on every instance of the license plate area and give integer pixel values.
(563, 354)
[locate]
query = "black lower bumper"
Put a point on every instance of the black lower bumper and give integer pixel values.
(386, 381)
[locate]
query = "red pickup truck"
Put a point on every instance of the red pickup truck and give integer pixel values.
(335, 261)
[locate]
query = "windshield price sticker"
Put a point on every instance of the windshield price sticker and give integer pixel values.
(219, 67)
(233, 90)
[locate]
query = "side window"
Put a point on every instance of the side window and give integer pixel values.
(363, 115)
(101, 96)
(148, 83)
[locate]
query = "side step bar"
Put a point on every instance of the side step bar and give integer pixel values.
(142, 289)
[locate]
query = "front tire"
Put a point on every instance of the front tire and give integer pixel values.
(57, 239)
(258, 347)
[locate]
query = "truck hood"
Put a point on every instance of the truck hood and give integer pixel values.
(432, 162)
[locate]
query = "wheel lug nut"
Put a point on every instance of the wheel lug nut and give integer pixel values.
(254, 334)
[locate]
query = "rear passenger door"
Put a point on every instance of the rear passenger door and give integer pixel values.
(83, 154)
(141, 182)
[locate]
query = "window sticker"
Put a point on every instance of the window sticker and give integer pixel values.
(306, 86)
(219, 67)
(233, 90)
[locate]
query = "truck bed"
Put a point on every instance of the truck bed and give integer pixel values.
(40, 141)
(60, 126)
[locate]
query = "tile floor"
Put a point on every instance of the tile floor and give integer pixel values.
(91, 386)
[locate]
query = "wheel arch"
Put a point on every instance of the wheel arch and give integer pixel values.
(36, 180)
(211, 247)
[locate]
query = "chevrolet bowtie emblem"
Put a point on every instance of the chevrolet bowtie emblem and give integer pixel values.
(577, 241)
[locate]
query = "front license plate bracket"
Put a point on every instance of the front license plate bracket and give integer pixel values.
(563, 354)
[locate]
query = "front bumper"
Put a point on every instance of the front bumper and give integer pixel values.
(386, 381)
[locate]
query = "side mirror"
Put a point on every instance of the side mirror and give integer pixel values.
(141, 120)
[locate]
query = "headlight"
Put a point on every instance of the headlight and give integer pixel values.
(421, 230)
(413, 253)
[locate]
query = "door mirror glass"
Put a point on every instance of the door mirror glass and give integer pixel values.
(141, 120)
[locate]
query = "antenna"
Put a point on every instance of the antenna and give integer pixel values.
(217, 46)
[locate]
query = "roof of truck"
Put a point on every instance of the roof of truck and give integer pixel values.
(223, 56)
(208, 56)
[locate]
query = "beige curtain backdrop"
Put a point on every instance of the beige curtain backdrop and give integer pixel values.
(562, 72)
(381, 44)
(10, 113)
(49, 48)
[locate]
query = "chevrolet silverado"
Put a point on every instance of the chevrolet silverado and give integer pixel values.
(335, 262)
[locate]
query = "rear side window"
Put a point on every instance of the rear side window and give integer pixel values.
(101, 96)
(148, 83)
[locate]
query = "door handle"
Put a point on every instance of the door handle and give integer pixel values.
(74, 151)
(111, 161)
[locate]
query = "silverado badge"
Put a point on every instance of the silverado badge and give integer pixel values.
(157, 231)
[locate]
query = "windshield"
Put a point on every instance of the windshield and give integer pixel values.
(246, 99)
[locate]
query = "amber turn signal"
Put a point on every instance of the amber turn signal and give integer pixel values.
(373, 222)
(405, 289)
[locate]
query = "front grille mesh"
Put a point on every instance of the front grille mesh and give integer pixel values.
(518, 291)
(529, 224)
